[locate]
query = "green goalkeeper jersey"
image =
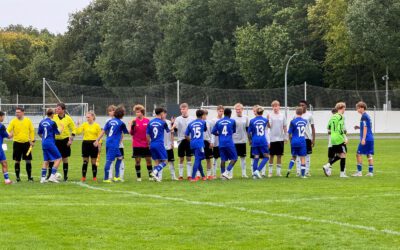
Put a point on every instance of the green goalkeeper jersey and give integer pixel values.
(337, 128)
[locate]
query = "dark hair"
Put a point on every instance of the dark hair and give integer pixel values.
(49, 112)
(2, 114)
(199, 113)
(334, 111)
(20, 109)
(119, 112)
(228, 112)
(61, 105)
(304, 102)
(158, 111)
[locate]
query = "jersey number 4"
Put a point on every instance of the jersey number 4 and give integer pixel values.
(224, 130)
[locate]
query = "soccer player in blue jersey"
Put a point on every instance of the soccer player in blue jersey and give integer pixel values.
(195, 134)
(115, 130)
(48, 129)
(3, 160)
(224, 129)
(366, 146)
(297, 138)
(155, 137)
(258, 141)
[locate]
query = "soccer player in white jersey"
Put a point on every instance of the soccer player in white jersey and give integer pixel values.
(208, 146)
(169, 146)
(240, 138)
(179, 126)
(278, 137)
(215, 140)
(309, 135)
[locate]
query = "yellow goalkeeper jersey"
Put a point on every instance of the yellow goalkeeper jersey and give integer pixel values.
(22, 129)
(90, 131)
(69, 126)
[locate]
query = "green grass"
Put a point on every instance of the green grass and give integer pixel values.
(315, 213)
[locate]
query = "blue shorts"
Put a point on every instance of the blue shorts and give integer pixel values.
(199, 153)
(2, 155)
(228, 153)
(367, 149)
(259, 150)
(112, 153)
(299, 151)
(51, 153)
(159, 153)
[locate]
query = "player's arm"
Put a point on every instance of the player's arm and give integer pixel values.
(249, 134)
(10, 127)
(132, 126)
(364, 133)
(71, 127)
(313, 134)
(96, 142)
(215, 131)
(31, 134)
(187, 133)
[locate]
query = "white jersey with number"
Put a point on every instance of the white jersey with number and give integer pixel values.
(277, 122)
(207, 134)
(242, 123)
(167, 136)
(181, 123)
(310, 121)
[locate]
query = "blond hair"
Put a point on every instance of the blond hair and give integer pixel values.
(259, 110)
(111, 108)
(275, 103)
(340, 105)
(219, 107)
(91, 112)
(139, 107)
(238, 105)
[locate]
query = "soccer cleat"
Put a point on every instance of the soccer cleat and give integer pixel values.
(173, 178)
(117, 179)
(226, 176)
(210, 177)
(18, 179)
(204, 178)
(263, 176)
(198, 178)
(151, 178)
(94, 179)
(193, 180)
(107, 181)
(343, 175)
(53, 179)
(327, 169)
(287, 174)
(308, 174)
(65, 179)
(370, 174)
(139, 179)
(304, 177)
(7, 181)
(30, 179)
(180, 178)
(43, 180)
(189, 178)
(357, 174)
(244, 176)
(269, 175)
(155, 177)
(257, 174)
(298, 174)
(83, 179)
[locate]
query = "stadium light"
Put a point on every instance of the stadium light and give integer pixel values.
(286, 71)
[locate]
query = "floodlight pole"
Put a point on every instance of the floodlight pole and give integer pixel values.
(387, 87)
(286, 71)
(44, 96)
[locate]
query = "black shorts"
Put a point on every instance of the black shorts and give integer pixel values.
(141, 152)
(184, 149)
(338, 149)
(309, 146)
(277, 148)
(63, 147)
(241, 149)
(19, 151)
(89, 150)
(215, 151)
(331, 154)
(170, 154)
(208, 152)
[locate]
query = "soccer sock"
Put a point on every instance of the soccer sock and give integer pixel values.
(180, 170)
(263, 163)
(359, 167)
(94, 170)
(44, 171)
(371, 168)
(65, 169)
(17, 169)
(117, 167)
(149, 170)
(159, 167)
(195, 168)
(291, 164)
(243, 165)
(342, 164)
(84, 169)
(222, 169)
(160, 175)
(122, 170)
(172, 170)
(110, 171)
(303, 169)
(189, 168)
(298, 165)
(334, 159)
(270, 167)
(255, 164)
(107, 170)
(278, 169)
(53, 171)
(214, 166)
(230, 167)
(51, 164)
(209, 172)
(138, 174)
(308, 163)
(29, 170)
(6, 175)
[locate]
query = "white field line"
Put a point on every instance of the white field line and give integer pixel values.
(75, 204)
(247, 210)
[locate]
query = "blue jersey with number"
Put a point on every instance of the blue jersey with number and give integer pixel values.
(3, 134)
(224, 129)
(297, 129)
(48, 130)
(258, 131)
(114, 129)
(196, 131)
(366, 122)
(155, 130)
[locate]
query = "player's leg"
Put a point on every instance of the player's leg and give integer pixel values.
(4, 165)
(94, 168)
(308, 157)
(303, 166)
(359, 165)
(149, 166)
(271, 165)
(17, 159)
(181, 155)
(137, 168)
(342, 156)
(56, 157)
(28, 160)
(121, 165)
(107, 166)
(231, 155)
(241, 152)
(264, 161)
(215, 161)
(278, 165)
(45, 166)
(256, 154)
(84, 167)
(171, 160)
(292, 161)
(195, 165)
(65, 151)
(370, 165)
(160, 164)
(188, 154)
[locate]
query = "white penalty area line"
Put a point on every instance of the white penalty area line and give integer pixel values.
(243, 209)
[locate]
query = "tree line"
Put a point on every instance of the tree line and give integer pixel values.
(346, 44)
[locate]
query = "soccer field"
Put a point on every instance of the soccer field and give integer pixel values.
(280, 213)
